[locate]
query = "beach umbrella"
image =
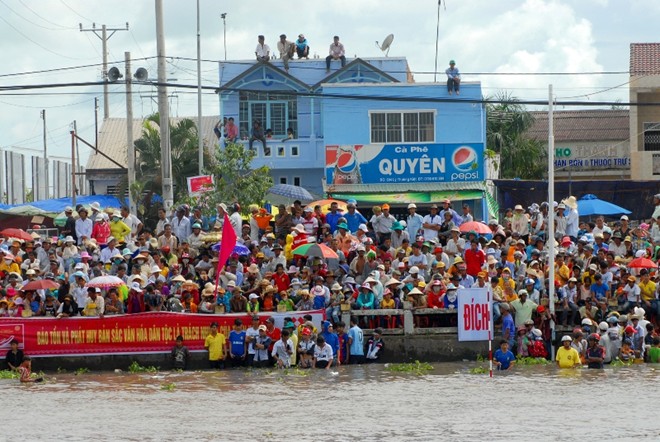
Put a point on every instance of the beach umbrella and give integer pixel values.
(315, 250)
(16, 233)
(590, 205)
(292, 192)
(642, 263)
(239, 249)
(325, 205)
(105, 282)
(41, 284)
(480, 228)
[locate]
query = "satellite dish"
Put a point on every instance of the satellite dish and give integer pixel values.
(385, 46)
(114, 74)
(141, 74)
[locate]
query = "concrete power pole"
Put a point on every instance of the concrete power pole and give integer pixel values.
(164, 112)
(46, 178)
(104, 40)
(130, 146)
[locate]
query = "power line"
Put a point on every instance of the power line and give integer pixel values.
(462, 100)
(59, 27)
(75, 12)
(37, 43)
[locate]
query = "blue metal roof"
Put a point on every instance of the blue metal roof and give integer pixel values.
(313, 71)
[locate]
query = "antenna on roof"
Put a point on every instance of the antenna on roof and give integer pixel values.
(385, 47)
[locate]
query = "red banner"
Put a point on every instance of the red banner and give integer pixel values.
(124, 334)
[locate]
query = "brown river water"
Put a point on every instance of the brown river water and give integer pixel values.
(365, 403)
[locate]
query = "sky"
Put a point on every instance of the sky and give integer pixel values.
(491, 41)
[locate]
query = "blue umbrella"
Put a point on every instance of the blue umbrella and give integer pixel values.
(292, 192)
(590, 205)
(239, 249)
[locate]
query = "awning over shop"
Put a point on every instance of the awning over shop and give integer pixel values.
(416, 193)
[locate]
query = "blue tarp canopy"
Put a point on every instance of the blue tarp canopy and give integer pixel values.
(55, 206)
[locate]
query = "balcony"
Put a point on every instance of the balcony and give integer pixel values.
(302, 153)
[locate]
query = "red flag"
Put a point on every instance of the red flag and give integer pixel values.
(226, 247)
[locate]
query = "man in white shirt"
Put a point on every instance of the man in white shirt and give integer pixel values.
(84, 226)
(131, 221)
(286, 50)
(181, 225)
(431, 224)
(337, 52)
(263, 50)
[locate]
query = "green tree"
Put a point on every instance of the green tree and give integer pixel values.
(235, 180)
(148, 172)
(520, 156)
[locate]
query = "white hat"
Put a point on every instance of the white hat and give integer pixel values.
(412, 206)
(136, 286)
(155, 269)
(518, 207)
(414, 269)
(253, 296)
(68, 209)
(571, 202)
(95, 206)
(363, 227)
(566, 338)
(116, 214)
(299, 228)
(30, 272)
(624, 217)
(69, 239)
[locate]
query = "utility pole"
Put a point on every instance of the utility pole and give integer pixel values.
(224, 32)
(43, 116)
(78, 186)
(96, 123)
(73, 169)
(163, 111)
(104, 40)
(129, 130)
(200, 141)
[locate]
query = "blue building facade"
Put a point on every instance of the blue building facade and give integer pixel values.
(366, 131)
(252, 90)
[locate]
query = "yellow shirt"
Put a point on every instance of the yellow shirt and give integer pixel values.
(568, 358)
(387, 304)
(119, 230)
(647, 290)
(215, 345)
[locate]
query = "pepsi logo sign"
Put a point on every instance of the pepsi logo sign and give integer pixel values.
(465, 159)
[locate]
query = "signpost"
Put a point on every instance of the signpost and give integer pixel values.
(475, 320)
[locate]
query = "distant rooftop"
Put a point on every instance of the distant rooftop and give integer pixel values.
(644, 59)
(582, 125)
(112, 139)
(313, 71)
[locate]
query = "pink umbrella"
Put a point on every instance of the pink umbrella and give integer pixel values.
(105, 282)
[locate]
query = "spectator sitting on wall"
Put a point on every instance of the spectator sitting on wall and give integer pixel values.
(302, 48)
(269, 134)
(337, 52)
(231, 131)
(289, 135)
(453, 78)
(220, 129)
(258, 134)
(263, 50)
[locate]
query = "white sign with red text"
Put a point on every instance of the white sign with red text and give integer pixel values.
(474, 314)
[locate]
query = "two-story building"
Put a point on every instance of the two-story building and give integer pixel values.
(366, 131)
(645, 115)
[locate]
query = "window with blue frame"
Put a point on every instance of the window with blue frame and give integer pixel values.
(275, 111)
(402, 126)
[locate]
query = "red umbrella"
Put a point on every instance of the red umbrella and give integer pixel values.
(41, 284)
(480, 228)
(16, 233)
(642, 263)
